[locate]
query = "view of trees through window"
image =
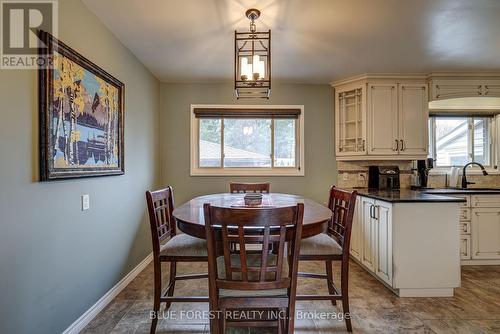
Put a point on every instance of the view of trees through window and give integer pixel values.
(247, 142)
(456, 141)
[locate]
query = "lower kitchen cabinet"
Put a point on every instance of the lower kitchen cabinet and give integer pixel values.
(465, 247)
(371, 237)
(383, 241)
(485, 231)
(480, 229)
(355, 244)
(368, 233)
(393, 242)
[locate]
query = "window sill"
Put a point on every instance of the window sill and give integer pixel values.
(247, 172)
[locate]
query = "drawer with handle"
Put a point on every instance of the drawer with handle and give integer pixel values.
(464, 214)
(464, 227)
(465, 204)
(465, 249)
(485, 201)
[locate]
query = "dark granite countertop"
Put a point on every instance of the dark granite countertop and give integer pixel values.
(406, 196)
(469, 191)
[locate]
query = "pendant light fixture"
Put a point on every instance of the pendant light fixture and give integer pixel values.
(252, 61)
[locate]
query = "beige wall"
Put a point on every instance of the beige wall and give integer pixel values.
(320, 172)
(56, 261)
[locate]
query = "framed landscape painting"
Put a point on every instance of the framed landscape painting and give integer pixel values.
(81, 116)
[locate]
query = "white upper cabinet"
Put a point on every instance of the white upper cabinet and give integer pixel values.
(382, 118)
(448, 86)
(492, 89)
(396, 114)
(452, 89)
(413, 119)
(350, 125)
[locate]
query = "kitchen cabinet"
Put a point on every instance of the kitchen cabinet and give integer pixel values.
(413, 119)
(465, 228)
(383, 119)
(480, 229)
(459, 86)
(383, 241)
(355, 244)
(485, 233)
(350, 126)
(451, 89)
(368, 233)
(485, 201)
(391, 241)
(465, 247)
(391, 118)
(492, 89)
(376, 238)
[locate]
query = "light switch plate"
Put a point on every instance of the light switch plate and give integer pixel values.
(85, 202)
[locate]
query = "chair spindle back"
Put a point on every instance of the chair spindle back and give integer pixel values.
(240, 227)
(161, 220)
(235, 187)
(342, 203)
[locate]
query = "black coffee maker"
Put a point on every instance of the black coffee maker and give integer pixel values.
(383, 177)
(423, 168)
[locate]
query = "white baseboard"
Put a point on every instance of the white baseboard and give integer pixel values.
(90, 314)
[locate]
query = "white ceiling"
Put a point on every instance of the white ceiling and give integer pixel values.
(314, 41)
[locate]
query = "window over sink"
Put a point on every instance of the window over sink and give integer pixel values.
(456, 141)
(247, 140)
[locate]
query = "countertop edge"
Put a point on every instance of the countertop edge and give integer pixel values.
(413, 197)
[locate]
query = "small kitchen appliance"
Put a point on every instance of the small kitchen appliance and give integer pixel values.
(383, 177)
(423, 168)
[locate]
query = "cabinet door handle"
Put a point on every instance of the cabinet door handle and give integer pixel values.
(375, 212)
(371, 211)
(364, 141)
(402, 145)
(397, 145)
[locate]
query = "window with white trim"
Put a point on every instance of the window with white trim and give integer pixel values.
(456, 141)
(247, 140)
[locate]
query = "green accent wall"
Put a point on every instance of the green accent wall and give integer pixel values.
(56, 261)
(320, 169)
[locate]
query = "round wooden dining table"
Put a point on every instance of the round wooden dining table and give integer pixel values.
(190, 216)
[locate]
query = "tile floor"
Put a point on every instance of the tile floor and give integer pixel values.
(475, 308)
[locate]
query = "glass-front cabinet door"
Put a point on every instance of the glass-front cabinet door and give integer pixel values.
(350, 121)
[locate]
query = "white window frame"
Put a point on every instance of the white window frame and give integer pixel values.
(196, 170)
(494, 133)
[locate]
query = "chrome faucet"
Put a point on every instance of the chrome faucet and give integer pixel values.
(464, 177)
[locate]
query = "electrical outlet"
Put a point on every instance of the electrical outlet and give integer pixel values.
(345, 176)
(85, 202)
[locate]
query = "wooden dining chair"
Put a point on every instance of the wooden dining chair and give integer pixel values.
(235, 187)
(333, 246)
(168, 246)
(242, 280)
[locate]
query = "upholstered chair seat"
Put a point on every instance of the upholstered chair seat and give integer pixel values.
(321, 244)
(184, 245)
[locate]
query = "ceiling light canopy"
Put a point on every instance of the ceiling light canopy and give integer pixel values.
(252, 61)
